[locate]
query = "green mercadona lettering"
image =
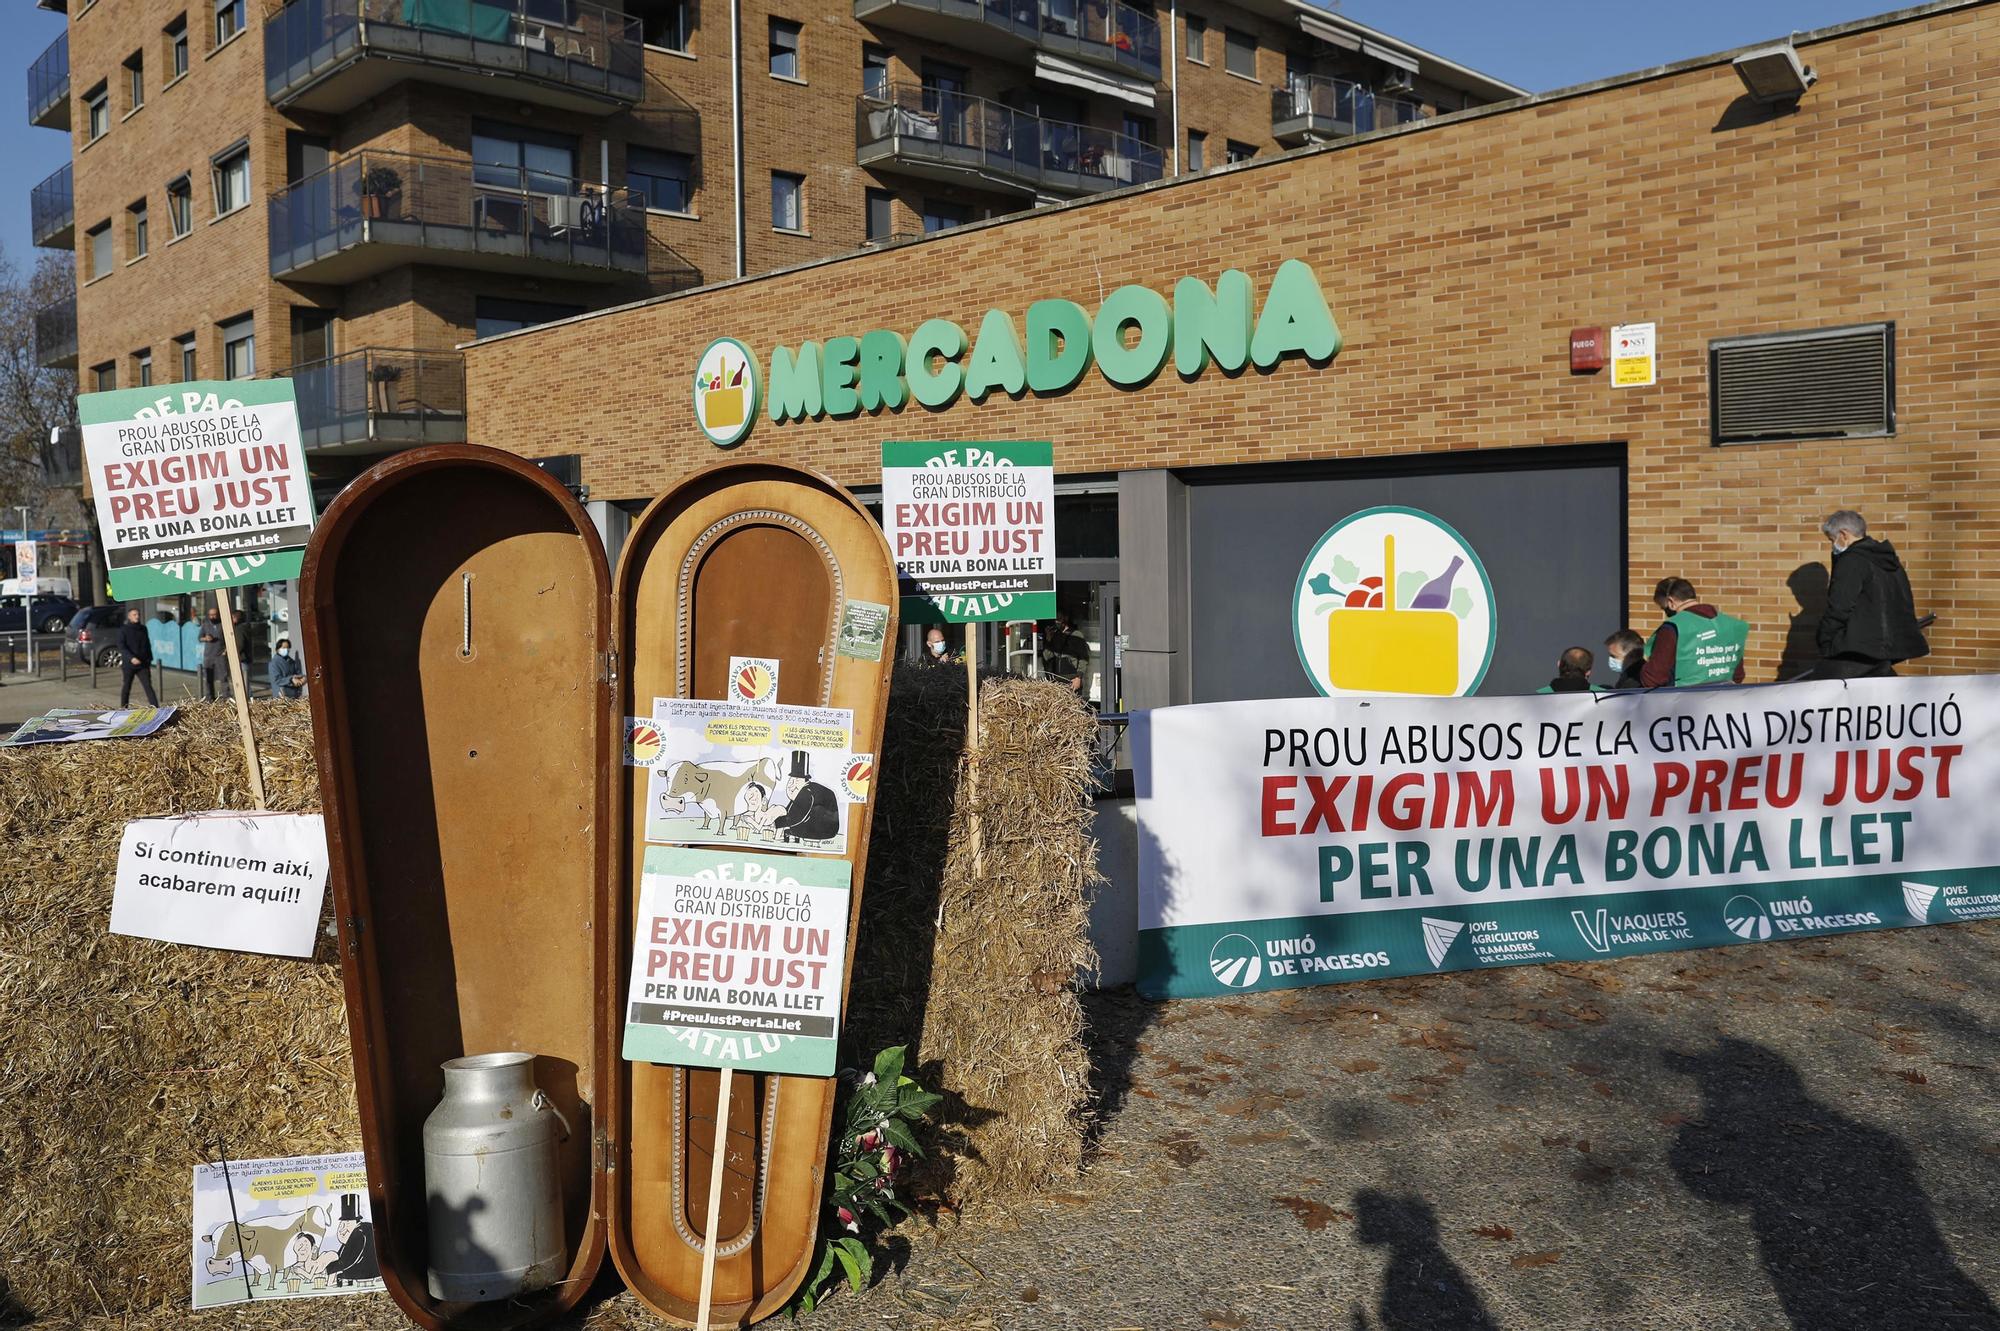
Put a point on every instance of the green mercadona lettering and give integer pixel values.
(884, 369)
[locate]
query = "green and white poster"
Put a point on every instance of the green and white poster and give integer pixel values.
(972, 527)
(1309, 841)
(197, 485)
(738, 961)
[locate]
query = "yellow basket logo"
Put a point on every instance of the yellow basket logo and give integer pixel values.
(726, 392)
(1392, 600)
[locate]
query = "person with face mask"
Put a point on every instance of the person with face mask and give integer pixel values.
(1625, 657)
(1870, 625)
(288, 677)
(1697, 644)
(214, 659)
(937, 651)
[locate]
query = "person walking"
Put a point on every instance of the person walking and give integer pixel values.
(1697, 645)
(1625, 655)
(288, 677)
(214, 658)
(1572, 673)
(1065, 654)
(136, 646)
(1870, 625)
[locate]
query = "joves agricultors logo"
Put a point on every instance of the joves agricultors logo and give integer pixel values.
(1392, 600)
(727, 392)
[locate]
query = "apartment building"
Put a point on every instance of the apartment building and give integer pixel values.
(345, 190)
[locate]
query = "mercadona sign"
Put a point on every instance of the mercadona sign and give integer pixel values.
(1310, 841)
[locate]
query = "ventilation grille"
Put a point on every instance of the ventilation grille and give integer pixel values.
(1829, 384)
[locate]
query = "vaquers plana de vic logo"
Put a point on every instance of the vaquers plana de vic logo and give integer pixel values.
(726, 392)
(1392, 600)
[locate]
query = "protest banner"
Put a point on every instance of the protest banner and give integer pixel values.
(732, 772)
(972, 529)
(295, 1228)
(66, 725)
(737, 961)
(1310, 841)
(243, 881)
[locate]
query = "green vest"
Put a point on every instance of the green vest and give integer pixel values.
(1706, 651)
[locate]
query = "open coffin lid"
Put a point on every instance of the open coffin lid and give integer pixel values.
(468, 698)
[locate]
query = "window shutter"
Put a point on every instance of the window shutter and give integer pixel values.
(1831, 383)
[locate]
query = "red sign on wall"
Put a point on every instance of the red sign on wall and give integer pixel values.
(1586, 350)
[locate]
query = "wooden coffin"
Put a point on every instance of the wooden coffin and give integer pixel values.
(743, 559)
(462, 638)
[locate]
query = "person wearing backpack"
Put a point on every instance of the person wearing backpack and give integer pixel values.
(1870, 625)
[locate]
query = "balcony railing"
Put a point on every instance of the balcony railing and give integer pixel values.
(55, 334)
(949, 136)
(376, 398)
(1108, 32)
(373, 211)
(331, 55)
(1315, 106)
(48, 86)
(52, 211)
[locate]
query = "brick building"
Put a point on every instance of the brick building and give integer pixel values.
(345, 190)
(1814, 271)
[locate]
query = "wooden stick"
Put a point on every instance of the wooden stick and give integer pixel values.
(242, 697)
(714, 1202)
(972, 748)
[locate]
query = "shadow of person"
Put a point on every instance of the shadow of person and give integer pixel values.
(1808, 584)
(1422, 1289)
(1842, 1224)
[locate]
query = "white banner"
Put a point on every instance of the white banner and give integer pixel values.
(251, 882)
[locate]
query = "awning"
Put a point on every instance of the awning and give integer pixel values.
(1091, 79)
(1329, 34)
(1389, 57)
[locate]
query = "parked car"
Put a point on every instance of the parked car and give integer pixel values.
(52, 613)
(93, 634)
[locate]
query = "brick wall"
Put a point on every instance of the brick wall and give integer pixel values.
(1456, 257)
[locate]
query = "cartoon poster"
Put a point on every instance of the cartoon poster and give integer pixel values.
(733, 774)
(282, 1229)
(64, 724)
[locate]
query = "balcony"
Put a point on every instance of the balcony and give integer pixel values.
(332, 55)
(1104, 32)
(48, 86)
(374, 211)
(970, 141)
(376, 400)
(52, 212)
(1316, 108)
(55, 335)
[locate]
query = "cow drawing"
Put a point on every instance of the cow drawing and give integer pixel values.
(693, 786)
(263, 1243)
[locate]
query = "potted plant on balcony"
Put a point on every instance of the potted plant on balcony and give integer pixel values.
(379, 187)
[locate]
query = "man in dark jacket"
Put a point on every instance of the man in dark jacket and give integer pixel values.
(811, 813)
(136, 645)
(1625, 655)
(1870, 622)
(214, 658)
(1697, 645)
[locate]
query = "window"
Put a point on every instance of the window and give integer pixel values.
(104, 378)
(492, 317)
(1238, 152)
(239, 347)
(180, 206)
(1197, 150)
(177, 47)
(185, 342)
(1142, 129)
(516, 157)
(667, 23)
(228, 19)
(784, 49)
(874, 71)
(1829, 383)
(664, 179)
(142, 363)
(231, 171)
(136, 220)
(881, 214)
(788, 205)
(1197, 33)
(97, 112)
(99, 245)
(943, 216)
(1239, 52)
(135, 81)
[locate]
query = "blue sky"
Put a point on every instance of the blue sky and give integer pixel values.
(1547, 44)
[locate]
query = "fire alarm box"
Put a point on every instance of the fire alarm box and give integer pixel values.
(1586, 350)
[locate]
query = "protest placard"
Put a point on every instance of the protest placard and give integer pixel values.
(64, 725)
(250, 882)
(972, 529)
(737, 961)
(294, 1228)
(731, 773)
(1308, 841)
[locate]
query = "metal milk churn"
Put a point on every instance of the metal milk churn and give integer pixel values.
(496, 1221)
